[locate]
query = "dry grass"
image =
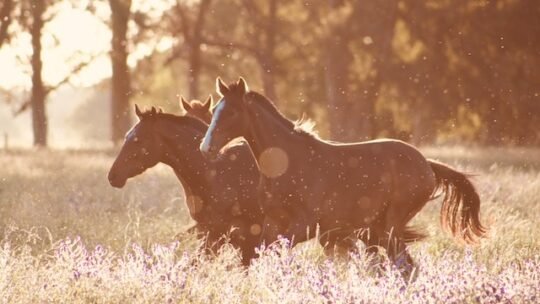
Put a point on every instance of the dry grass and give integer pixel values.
(66, 236)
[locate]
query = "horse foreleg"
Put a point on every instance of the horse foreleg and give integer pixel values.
(296, 227)
(272, 229)
(248, 253)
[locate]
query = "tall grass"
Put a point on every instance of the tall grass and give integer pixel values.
(66, 236)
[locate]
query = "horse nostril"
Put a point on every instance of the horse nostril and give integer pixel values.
(116, 180)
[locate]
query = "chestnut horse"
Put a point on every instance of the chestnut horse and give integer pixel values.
(221, 196)
(198, 109)
(375, 186)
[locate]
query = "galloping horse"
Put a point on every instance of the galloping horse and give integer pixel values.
(375, 186)
(221, 196)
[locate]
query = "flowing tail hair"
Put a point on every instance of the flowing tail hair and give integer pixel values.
(460, 211)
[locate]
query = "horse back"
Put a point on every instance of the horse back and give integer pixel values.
(386, 165)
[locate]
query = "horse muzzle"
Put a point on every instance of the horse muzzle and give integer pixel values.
(116, 181)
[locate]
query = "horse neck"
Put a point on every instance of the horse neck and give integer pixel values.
(181, 153)
(269, 129)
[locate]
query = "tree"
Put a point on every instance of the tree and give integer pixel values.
(266, 29)
(121, 85)
(258, 33)
(353, 33)
(419, 71)
(337, 57)
(32, 16)
(39, 117)
(477, 58)
(190, 28)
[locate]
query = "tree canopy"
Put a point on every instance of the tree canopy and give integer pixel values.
(423, 71)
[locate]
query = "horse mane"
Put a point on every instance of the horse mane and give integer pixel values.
(303, 126)
(307, 125)
(183, 120)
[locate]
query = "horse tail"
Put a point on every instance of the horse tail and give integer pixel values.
(460, 211)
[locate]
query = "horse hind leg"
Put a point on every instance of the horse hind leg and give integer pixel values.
(371, 239)
(397, 235)
(339, 246)
(396, 252)
(399, 256)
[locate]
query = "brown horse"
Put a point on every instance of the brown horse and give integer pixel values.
(221, 196)
(375, 186)
(198, 109)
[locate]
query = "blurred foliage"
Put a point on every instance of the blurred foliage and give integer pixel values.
(432, 71)
(423, 71)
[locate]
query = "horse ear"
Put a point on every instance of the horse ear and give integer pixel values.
(153, 111)
(243, 85)
(160, 110)
(184, 104)
(208, 103)
(221, 87)
(138, 111)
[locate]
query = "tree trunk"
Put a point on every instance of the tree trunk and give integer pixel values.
(363, 121)
(267, 60)
(121, 87)
(374, 20)
(194, 72)
(268, 79)
(39, 117)
(337, 57)
(194, 61)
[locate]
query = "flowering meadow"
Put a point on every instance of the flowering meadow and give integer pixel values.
(66, 236)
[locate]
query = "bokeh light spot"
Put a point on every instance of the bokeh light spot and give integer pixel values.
(273, 162)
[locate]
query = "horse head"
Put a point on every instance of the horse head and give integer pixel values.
(228, 118)
(142, 149)
(198, 109)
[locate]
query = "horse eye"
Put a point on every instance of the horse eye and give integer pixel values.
(135, 139)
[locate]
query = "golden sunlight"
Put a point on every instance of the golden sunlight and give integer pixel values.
(78, 35)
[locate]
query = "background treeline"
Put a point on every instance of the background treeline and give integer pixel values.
(444, 71)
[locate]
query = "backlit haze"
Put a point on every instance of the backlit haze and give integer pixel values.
(78, 36)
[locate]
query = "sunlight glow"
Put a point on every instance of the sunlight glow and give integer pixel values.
(79, 36)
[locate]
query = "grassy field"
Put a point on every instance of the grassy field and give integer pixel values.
(66, 236)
